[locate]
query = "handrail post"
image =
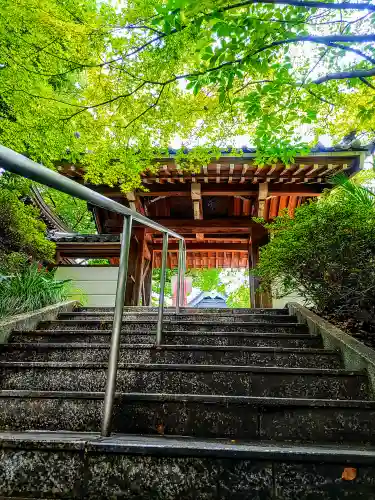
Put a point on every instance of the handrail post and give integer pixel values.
(183, 266)
(180, 275)
(159, 327)
(116, 328)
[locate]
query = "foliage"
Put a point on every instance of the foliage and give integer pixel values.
(110, 86)
(22, 234)
(156, 274)
(354, 192)
(207, 280)
(240, 297)
(30, 289)
(71, 210)
(326, 253)
(98, 262)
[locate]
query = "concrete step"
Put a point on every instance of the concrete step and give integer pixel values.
(206, 318)
(184, 378)
(186, 310)
(235, 417)
(274, 339)
(83, 465)
(181, 326)
(191, 354)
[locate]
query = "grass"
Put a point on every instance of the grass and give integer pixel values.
(29, 290)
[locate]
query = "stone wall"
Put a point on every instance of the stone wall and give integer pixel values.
(29, 320)
(356, 356)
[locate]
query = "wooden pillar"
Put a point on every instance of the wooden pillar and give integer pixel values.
(255, 294)
(196, 197)
(132, 266)
(258, 298)
(147, 283)
(130, 196)
(140, 235)
(252, 279)
(262, 196)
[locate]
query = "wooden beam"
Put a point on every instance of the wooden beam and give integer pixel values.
(228, 225)
(292, 205)
(130, 196)
(88, 250)
(134, 202)
(218, 165)
(211, 189)
(286, 189)
(246, 207)
(262, 196)
(215, 239)
(274, 209)
(150, 194)
(197, 200)
(284, 200)
(206, 247)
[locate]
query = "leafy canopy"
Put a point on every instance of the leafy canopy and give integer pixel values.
(112, 87)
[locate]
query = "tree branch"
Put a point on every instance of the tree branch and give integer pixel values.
(142, 27)
(109, 101)
(318, 97)
(146, 110)
(350, 49)
(47, 98)
(254, 82)
(343, 75)
(304, 3)
(366, 82)
(325, 40)
(79, 220)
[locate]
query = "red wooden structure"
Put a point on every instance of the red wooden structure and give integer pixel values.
(213, 209)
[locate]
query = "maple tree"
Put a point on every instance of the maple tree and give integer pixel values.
(112, 86)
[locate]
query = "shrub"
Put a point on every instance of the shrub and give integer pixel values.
(327, 254)
(21, 231)
(30, 289)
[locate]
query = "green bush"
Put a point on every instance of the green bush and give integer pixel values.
(30, 289)
(21, 232)
(327, 254)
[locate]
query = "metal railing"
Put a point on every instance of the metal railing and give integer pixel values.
(19, 164)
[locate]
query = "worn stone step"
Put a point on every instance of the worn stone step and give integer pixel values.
(182, 326)
(206, 318)
(187, 310)
(314, 420)
(192, 354)
(217, 338)
(86, 466)
(194, 379)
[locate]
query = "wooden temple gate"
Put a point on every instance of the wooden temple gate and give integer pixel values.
(213, 209)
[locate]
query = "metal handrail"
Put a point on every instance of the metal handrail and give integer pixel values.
(21, 165)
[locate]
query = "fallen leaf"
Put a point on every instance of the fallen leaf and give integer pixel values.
(160, 428)
(349, 474)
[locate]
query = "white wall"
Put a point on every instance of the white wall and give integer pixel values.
(97, 283)
(293, 297)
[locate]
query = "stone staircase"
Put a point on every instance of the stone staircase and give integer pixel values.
(240, 404)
